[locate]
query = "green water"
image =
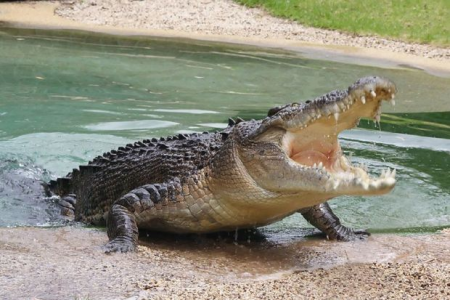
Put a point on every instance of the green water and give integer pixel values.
(66, 97)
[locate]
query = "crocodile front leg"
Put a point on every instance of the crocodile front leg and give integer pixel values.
(322, 217)
(123, 231)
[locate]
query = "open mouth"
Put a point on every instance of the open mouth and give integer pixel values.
(313, 142)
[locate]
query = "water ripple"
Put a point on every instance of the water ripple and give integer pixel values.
(188, 111)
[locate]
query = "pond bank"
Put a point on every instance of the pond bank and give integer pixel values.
(222, 21)
(226, 18)
(65, 263)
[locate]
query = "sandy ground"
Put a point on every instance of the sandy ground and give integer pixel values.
(67, 263)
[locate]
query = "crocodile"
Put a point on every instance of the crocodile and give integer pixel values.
(250, 174)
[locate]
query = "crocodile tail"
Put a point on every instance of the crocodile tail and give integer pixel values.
(60, 186)
(49, 187)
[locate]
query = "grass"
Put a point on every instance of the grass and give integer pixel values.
(422, 21)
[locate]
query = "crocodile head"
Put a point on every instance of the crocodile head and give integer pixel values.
(295, 150)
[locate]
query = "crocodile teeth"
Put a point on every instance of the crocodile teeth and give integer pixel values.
(388, 173)
(336, 184)
(378, 115)
(363, 100)
(377, 118)
(373, 94)
(315, 165)
(336, 108)
(392, 101)
(343, 163)
(320, 165)
(343, 104)
(392, 96)
(364, 167)
(336, 116)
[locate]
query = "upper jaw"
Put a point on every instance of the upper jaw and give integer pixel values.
(297, 116)
(364, 91)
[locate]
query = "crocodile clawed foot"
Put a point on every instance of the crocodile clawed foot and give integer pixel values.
(360, 234)
(119, 244)
(346, 234)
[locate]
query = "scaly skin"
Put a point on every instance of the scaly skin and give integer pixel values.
(251, 174)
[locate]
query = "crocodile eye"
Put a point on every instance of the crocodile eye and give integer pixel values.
(274, 110)
(308, 101)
